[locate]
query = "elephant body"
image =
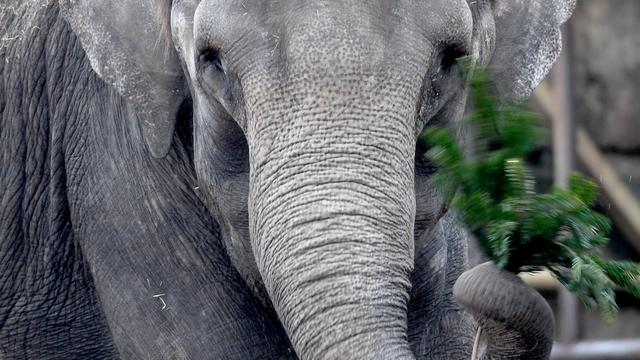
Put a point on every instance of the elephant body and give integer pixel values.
(239, 180)
(50, 305)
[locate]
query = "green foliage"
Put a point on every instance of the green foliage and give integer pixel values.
(519, 229)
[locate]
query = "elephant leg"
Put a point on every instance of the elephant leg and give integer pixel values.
(166, 285)
(438, 327)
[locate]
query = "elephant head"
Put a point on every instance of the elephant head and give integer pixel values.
(306, 116)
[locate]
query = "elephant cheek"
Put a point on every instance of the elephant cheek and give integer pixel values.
(331, 217)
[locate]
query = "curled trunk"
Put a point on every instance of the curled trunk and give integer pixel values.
(516, 322)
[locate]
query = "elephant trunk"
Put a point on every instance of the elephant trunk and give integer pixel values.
(331, 217)
(516, 322)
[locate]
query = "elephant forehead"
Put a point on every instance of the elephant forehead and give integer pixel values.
(327, 30)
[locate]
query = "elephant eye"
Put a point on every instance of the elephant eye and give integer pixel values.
(212, 72)
(212, 58)
(214, 76)
(449, 57)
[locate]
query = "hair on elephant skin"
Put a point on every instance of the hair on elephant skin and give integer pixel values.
(225, 179)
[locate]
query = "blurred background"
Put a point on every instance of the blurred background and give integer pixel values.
(591, 106)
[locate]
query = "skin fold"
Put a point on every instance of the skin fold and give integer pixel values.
(224, 179)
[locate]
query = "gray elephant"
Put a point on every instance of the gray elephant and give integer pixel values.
(226, 179)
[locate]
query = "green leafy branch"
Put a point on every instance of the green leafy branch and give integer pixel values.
(519, 229)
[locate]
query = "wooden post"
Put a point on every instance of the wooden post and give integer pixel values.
(564, 159)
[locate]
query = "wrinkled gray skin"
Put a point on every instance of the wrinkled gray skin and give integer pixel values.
(225, 179)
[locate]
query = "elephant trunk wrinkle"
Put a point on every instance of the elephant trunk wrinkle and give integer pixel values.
(332, 232)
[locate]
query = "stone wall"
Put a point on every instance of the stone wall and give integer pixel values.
(605, 58)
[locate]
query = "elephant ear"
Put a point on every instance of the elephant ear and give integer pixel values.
(527, 42)
(128, 43)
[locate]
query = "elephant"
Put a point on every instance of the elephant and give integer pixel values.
(242, 179)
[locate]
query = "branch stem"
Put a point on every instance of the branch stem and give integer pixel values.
(476, 344)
